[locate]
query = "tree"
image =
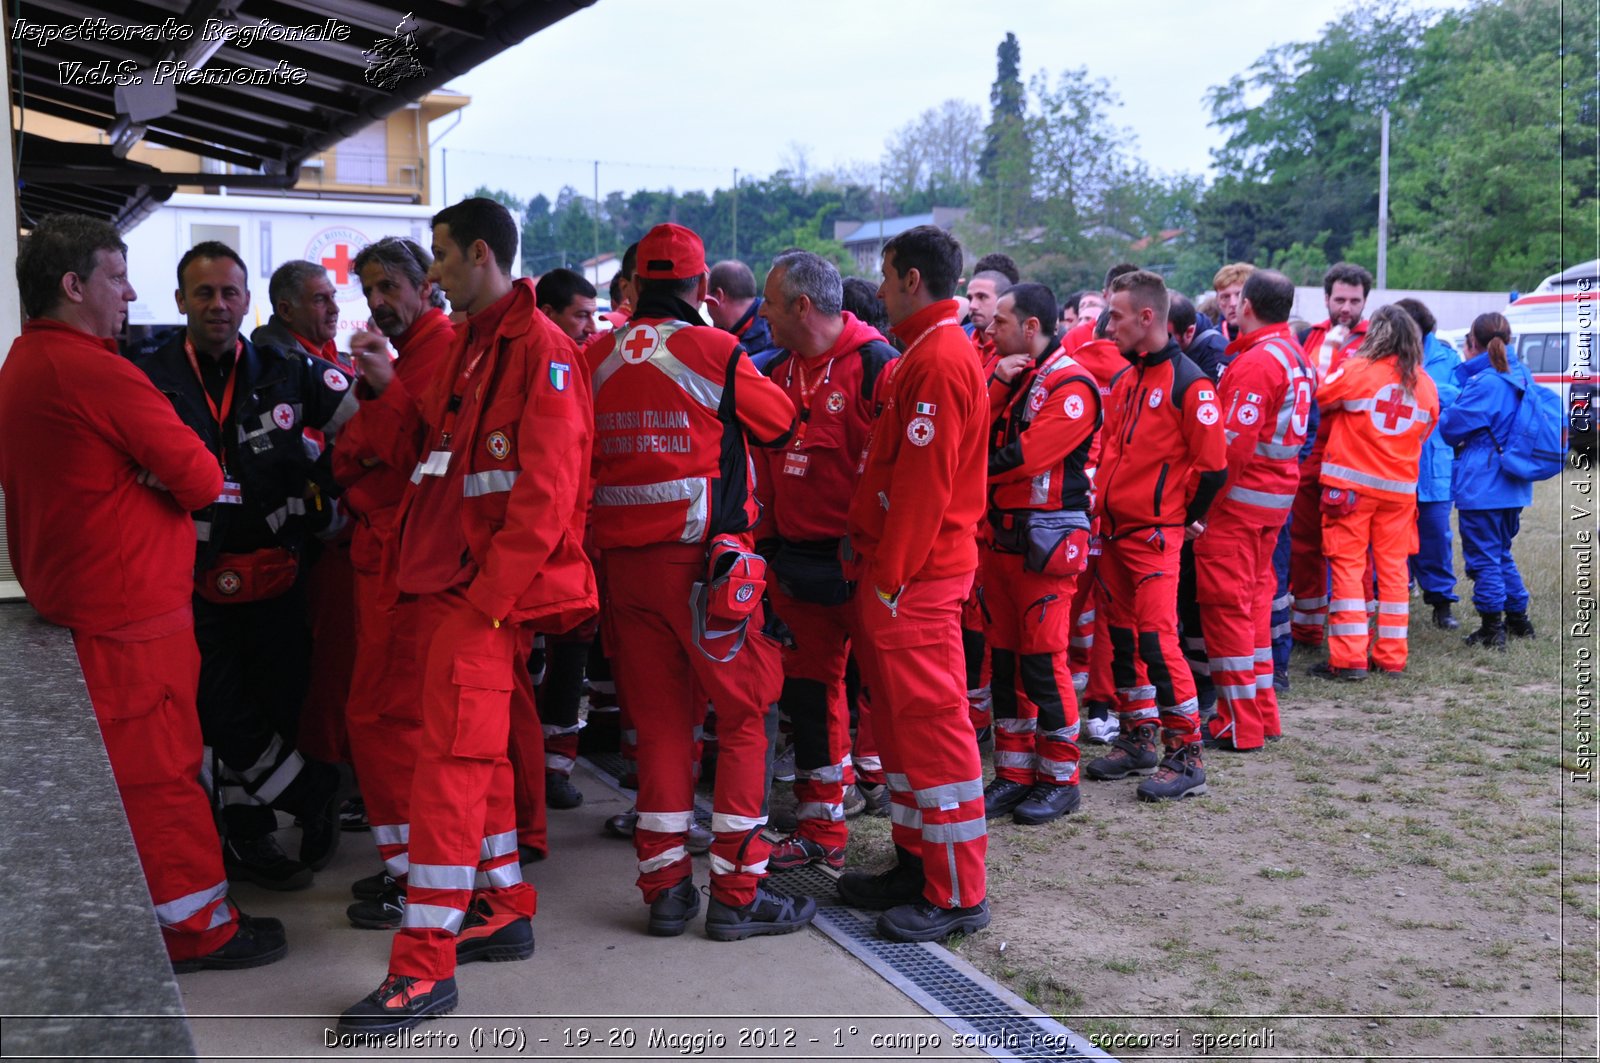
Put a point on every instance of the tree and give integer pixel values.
(934, 159)
(1005, 197)
(1005, 105)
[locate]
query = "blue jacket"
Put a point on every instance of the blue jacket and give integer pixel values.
(1480, 415)
(1439, 360)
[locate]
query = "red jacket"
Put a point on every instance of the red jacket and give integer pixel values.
(805, 488)
(1266, 395)
(94, 548)
(1162, 428)
(1102, 359)
(519, 443)
(1043, 436)
(1325, 357)
(921, 495)
(675, 407)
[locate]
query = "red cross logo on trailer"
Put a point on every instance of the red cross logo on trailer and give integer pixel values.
(1392, 413)
(335, 250)
(639, 344)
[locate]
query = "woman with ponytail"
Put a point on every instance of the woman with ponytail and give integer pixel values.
(1488, 499)
(1377, 408)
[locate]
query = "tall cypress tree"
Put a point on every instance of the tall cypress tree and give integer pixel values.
(1005, 105)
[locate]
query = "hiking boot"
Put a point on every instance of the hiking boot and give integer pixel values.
(559, 791)
(671, 911)
(1443, 619)
(353, 815)
(1045, 802)
(1324, 670)
(372, 887)
(698, 838)
(877, 797)
(1102, 730)
(262, 861)
(770, 912)
(1131, 754)
(783, 768)
(1492, 633)
(258, 942)
(1181, 775)
(854, 804)
(621, 825)
(1001, 796)
(1280, 678)
(797, 851)
(399, 1004)
(900, 884)
(925, 922)
(486, 934)
(379, 913)
(1518, 626)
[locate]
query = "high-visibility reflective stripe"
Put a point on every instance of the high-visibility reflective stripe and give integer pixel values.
(188, 906)
(1232, 664)
(665, 822)
(437, 463)
(1347, 629)
(1311, 603)
(1395, 608)
(1280, 630)
(903, 816)
(1277, 451)
(1283, 602)
(441, 876)
(432, 917)
(398, 865)
(555, 762)
(279, 780)
(819, 810)
(292, 507)
(1188, 707)
(666, 859)
(1081, 642)
(1387, 632)
(1263, 654)
(1132, 717)
(870, 763)
(221, 915)
(826, 773)
(726, 823)
(492, 482)
(1237, 693)
(1059, 769)
(969, 830)
(1365, 479)
(1062, 734)
(498, 845)
(263, 764)
(721, 866)
(1263, 499)
(1086, 617)
(499, 878)
(551, 729)
(1298, 617)
(1230, 435)
(898, 783)
(1347, 605)
(1080, 682)
(1039, 488)
(202, 531)
(691, 490)
(1013, 726)
(347, 409)
(391, 833)
(1005, 759)
(1137, 693)
(950, 794)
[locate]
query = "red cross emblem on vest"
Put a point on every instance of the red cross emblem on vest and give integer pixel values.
(640, 343)
(1391, 413)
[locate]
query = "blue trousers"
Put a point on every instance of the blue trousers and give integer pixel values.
(1282, 641)
(1433, 566)
(1486, 538)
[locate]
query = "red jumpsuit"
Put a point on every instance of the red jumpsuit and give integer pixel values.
(805, 492)
(1375, 431)
(1324, 350)
(1266, 400)
(1162, 428)
(489, 536)
(676, 408)
(383, 714)
(912, 527)
(1044, 432)
(101, 553)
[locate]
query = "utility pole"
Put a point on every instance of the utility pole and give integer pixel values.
(735, 212)
(1383, 204)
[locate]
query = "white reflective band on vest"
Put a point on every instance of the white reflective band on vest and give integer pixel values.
(1261, 498)
(724, 823)
(436, 463)
(495, 481)
(720, 866)
(1363, 479)
(691, 490)
(187, 907)
(499, 878)
(347, 409)
(441, 876)
(432, 917)
(1278, 451)
(292, 507)
(707, 393)
(666, 859)
(665, 822)
(498, 845)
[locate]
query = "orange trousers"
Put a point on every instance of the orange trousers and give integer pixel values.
(1387, 526)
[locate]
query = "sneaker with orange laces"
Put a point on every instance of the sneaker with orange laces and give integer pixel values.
(400, 1003)
(797, 851)
(495, 936)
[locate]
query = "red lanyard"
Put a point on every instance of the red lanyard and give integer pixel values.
(220, 414)
(806, 394)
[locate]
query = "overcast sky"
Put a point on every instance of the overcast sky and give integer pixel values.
(681, 103)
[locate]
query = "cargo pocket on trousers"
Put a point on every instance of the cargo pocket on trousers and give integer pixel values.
(923, 669)
(141, 729)
(482, 707)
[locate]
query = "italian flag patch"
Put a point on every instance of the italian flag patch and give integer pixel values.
(927, 408)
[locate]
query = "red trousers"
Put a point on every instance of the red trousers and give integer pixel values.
(1387, 527)
(1235, 584)
(664, 680)
(1035, 706)
(912, 659)
(1308, 567)
(526, 752)
(384, 713)
(463, 820)
(331, 605)
(144, 700)
(1139, 573)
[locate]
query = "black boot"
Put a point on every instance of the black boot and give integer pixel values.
(1492, 634)
(1518, 626)
(900, 884)
(1442, 617)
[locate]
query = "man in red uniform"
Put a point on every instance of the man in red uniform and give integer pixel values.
(914, 550)
(1266, 400)
(489, 535)
(1046, 410)
(383, 713)
(830, 370)
(1345, 288)
(100, 476)
(677, 407)
(983, 295)
(1162, 461)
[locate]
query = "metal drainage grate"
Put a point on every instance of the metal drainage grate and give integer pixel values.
(947, 987)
